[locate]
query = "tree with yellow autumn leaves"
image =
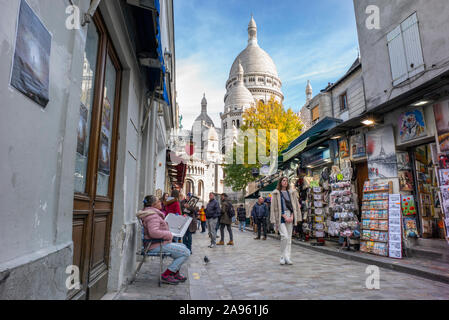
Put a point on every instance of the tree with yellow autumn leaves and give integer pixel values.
(269, 116)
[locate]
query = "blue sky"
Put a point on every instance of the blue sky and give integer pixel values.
(308, 40)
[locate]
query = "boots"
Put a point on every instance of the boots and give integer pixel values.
(221, 243)
(231, 243)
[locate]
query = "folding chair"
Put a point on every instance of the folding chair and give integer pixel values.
(144, 252)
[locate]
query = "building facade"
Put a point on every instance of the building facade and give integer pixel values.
(204, 163)
(78, 166)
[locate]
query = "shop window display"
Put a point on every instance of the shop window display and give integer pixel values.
(427, 199)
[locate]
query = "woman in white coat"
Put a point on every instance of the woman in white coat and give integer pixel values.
(285, 213)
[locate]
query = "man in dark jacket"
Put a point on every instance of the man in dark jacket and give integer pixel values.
(241, 215)
(227, 212)
(260, 214)
(213, 213)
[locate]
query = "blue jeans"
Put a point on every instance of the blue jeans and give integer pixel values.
(187, 240)
(242, 225)
(179, 253)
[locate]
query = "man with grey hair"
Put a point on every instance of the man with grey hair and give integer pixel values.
(212, 215)
(260, 214)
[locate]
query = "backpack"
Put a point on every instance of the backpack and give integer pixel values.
(231, 211)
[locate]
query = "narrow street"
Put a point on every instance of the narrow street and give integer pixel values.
(251, 271)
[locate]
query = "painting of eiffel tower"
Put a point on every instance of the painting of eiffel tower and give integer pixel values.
(381, 151)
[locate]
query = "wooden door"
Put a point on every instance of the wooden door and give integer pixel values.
(362, 176)
(95, 162)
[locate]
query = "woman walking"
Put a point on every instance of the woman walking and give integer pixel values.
(285, 213)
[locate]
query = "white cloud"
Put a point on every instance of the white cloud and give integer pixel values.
(194, 79)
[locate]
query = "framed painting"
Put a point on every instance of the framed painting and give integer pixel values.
(411, 125)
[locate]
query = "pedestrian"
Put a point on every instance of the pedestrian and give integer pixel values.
(253, 222)
(285, 212)
(163, 202)
(155, 227)
(241, 214)
(260, 214)
(172, 203)
(212, 216)
(227, 212)
(202, 214)
(188, 212)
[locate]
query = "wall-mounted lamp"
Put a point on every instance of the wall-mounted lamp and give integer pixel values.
(421, 103)
(336, 137)
(90, 13)
(368, 122)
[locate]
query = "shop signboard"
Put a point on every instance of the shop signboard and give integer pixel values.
(317, 157)
(411, 125)
(381, 151)
(441, 112)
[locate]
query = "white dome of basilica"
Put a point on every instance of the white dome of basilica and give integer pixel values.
(261, 75)
(254, 60)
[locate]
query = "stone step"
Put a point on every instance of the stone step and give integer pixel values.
(429, 253)
(429, 243)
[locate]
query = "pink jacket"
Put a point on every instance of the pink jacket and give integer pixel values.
(155, 226)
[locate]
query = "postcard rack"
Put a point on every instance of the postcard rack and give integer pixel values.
(375, 225)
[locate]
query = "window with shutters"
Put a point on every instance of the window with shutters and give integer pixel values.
(343, 102)
(404, 46)
(316, 114)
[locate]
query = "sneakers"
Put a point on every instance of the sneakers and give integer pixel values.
(169, 279)
(211, 246)
(179, 277)
(221, 243)
(256, 238)
(230, 243)
(282, 262)
(264, 238)
(288, 261)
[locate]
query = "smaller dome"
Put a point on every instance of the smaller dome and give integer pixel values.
(204, 101)
(239, 94)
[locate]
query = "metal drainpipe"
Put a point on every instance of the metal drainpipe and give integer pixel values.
(152, 149)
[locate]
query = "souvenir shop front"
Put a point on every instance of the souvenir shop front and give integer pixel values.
(325, 185)
(422, 147)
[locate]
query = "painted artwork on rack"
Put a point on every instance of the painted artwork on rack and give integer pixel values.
(344, 148)
(411, 125)
(380, 148)
(358, 147)
(441, 111)
(405, 180)
(404, 162)
(443, 161)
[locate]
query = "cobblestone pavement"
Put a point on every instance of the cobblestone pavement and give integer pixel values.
(251, 270)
